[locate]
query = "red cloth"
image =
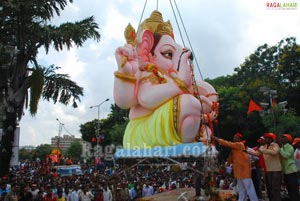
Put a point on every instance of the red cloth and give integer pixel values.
(49, 198)
(99, 198)
(261, 160)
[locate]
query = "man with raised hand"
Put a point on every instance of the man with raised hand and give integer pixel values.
(241, 166)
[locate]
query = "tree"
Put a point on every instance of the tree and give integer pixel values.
(275, 67)
(117, 133)
(42, 151)
(282, 121)
(289, 69)
(118, 120)
(25, 154)
(233, 106)
(25, 28)
(75, 150)
(111, 129)
(88, 130)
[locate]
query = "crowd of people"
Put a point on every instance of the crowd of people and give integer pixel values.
(127, 180)
(273, 165)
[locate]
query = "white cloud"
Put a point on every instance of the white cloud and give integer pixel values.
(115, 24)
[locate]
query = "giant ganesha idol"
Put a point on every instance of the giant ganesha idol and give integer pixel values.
(155, 80)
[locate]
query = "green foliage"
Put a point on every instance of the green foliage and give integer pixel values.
(111, 129)
(289, 62)
(70, 33)
(25, 154)
(280, 122)
(222, 82)
(117, 133)
(232, 103)
(75, 150)
(42, 151)
(59, 87)
(117, 116)
(275, 67)
(88, 131)
(36, 88)
(117, 122)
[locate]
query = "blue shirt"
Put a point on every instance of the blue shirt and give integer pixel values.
(4, 191)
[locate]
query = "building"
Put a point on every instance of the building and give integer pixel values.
(64, 142)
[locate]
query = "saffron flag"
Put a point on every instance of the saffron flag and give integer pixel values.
(253, 107)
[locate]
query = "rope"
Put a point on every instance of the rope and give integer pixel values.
(177, 24)
(197, 95)
(187, 38)
(195, 87)
(141, 16)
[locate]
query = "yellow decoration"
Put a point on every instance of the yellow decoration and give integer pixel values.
(156, 129)
(181, 85)
(152, 68)
(130, 35)
(125, 77)
(55, 151)
(124, 61)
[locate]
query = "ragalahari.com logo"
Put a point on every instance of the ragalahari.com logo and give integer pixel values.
(282, 5)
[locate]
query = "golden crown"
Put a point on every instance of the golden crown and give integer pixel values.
(154, 23)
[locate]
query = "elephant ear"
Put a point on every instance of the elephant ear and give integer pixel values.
(144, 47)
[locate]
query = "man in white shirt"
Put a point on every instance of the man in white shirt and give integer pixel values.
(147, 190)
(107, 195)
(86, 195)
(34, 191)
(75, 193)
(68, 194)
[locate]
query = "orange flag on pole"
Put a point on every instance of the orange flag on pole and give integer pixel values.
(253, 107)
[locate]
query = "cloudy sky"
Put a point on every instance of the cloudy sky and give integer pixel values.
(221, 33)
